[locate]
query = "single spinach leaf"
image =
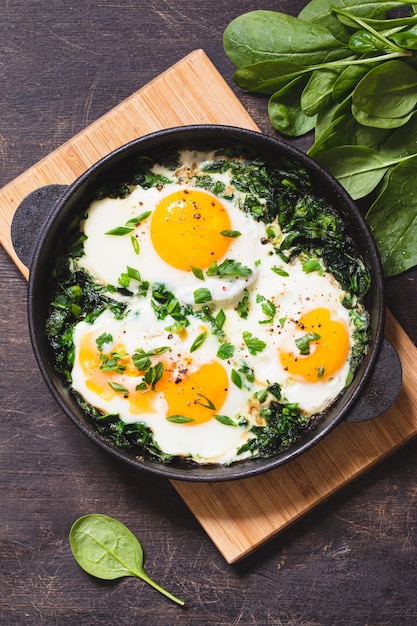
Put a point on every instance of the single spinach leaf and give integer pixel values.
(317, 94)
(273, 36)
(358, 168)
(107, 549)
(387, 91)
(348, 79)
(393, 219)
(406, 38)
(285, 112)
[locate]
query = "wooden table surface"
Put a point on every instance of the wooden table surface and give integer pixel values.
(351, 561)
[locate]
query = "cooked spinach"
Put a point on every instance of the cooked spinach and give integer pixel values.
(284, 425)
(346, 70)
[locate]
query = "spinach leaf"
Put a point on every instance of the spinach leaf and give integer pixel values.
(273, 36)
(107, 549)
(349, 78)
(358, 168)
(285, 112)
(393, 219)
(318, 91)
(406, 38)
(388, 90)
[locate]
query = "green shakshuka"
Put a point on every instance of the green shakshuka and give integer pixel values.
(209, 308)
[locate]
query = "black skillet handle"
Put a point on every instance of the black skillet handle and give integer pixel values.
(30, 218)
(382, 388)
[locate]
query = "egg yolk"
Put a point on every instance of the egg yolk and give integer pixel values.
(327, 354)
(199, 395)
(186, 229)
(195, 394)
(105, 383)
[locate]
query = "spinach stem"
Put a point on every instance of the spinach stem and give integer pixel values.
(155, 585)
(371, 30)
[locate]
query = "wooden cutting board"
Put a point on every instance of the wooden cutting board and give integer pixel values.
(238, 515)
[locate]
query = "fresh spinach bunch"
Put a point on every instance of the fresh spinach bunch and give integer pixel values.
(348, 72)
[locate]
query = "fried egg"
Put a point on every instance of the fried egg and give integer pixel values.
(252, 320)
(178, 229)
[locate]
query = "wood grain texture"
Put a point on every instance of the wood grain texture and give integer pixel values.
(350, 561)
(241, 515)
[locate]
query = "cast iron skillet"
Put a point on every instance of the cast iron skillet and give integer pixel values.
(44, 215)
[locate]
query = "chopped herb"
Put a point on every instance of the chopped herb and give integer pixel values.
(202, 295)
(117, 387)
(119, 231)
(236, 379)
(220, 319)
(135, 244)
(216, 322)
(179, 419)
(198, 273)
(233, 234)
(228, 268)
(261, 395)
(135, 221)
(103, 339)
(275, 390)
(247, 372)
(164, 303)
(141, 358)
(198, 341)
(153, 375)
(226, 351)
(312, 265)
(243, 306)
(207, 404)
(111, 362)
(320, 372)
(280, 271)
(268, 309)
(253, 344)
(133, 273)
(303, 343)
(224, 419)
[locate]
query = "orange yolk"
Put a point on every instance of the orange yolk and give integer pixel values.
(327, 354)
(196, 394)
(186, 227)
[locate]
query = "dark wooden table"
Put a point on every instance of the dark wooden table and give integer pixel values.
(351, 561)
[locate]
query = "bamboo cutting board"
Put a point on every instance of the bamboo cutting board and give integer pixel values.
(238, 515)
